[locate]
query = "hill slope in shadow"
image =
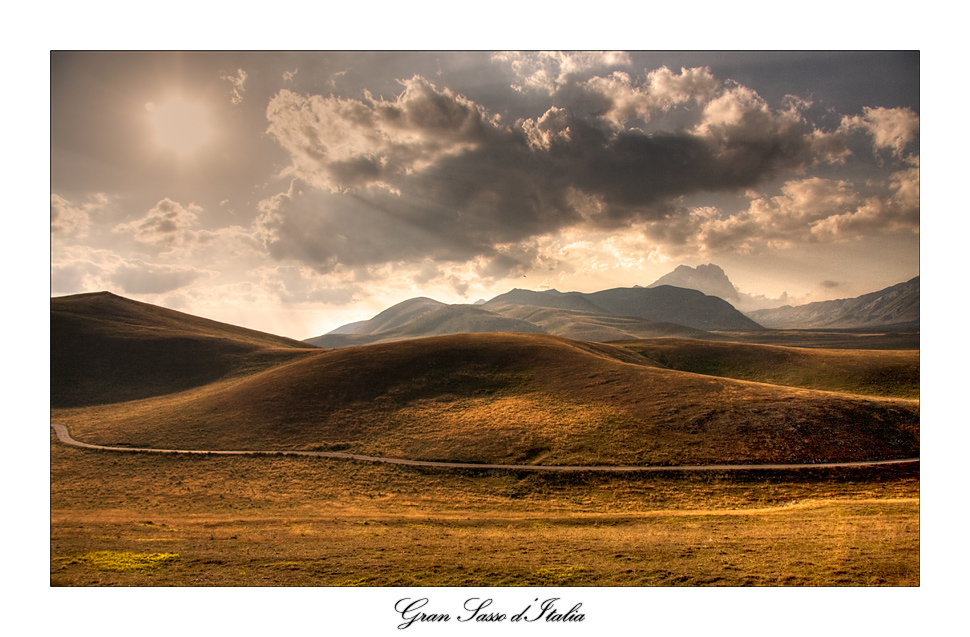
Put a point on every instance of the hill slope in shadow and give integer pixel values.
(106, 348)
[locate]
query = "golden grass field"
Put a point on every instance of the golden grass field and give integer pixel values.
(146, 519)
(250, 521)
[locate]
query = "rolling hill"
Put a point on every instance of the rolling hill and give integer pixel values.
(860, 371)
(669, 304)
(397, 315)
(897, 305)
(106, 348)
(418, 318)
(594, 326)
(486, 397)
(549, 299)
(188, 382)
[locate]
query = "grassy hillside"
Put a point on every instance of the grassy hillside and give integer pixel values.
(107, 349)
(872, 372)
(397, 315)
(663, 304)
(510, 399)
(553, 299)
(885, 338)
(426, 320)
(461, 319)
(669, 304)
(597, 327)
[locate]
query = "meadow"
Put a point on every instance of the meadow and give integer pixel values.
(260, 521)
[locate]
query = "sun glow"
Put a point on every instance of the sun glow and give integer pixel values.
(179, 125)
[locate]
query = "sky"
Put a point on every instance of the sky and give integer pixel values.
(296, 192)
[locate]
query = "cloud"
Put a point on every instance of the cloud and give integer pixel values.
(892, 128)
(549, 70)
(81, 269)
(332, 233)
(619, 99)
(898, 211)
(138, 277)
(575, 253)
(755, 141)
(169, 225)
(72, 219)
(807, 210)
(238, 85)
(432, 174)
(342, 144)
(294, 284)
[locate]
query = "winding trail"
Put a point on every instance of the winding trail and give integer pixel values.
(65, 437)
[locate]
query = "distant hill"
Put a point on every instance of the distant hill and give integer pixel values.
(418, 318)
(348, 328)
(462, 319)
(397, 315)
(106, 348)
(596, 326)
(897, 305)
(669, 304)
(620, 313)
(547, 298)
(664, 304)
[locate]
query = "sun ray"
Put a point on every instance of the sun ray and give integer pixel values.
(179, 125)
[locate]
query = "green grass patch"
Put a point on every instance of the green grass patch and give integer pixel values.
(123, 561)
(556, 575)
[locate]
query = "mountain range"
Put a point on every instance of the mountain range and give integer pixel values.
(608, 315)
(687, 302)
(897, 305)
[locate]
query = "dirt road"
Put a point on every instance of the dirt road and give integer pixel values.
(64, 436)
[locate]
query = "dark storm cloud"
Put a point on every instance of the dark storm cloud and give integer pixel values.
(433, 174)
(328, 232)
